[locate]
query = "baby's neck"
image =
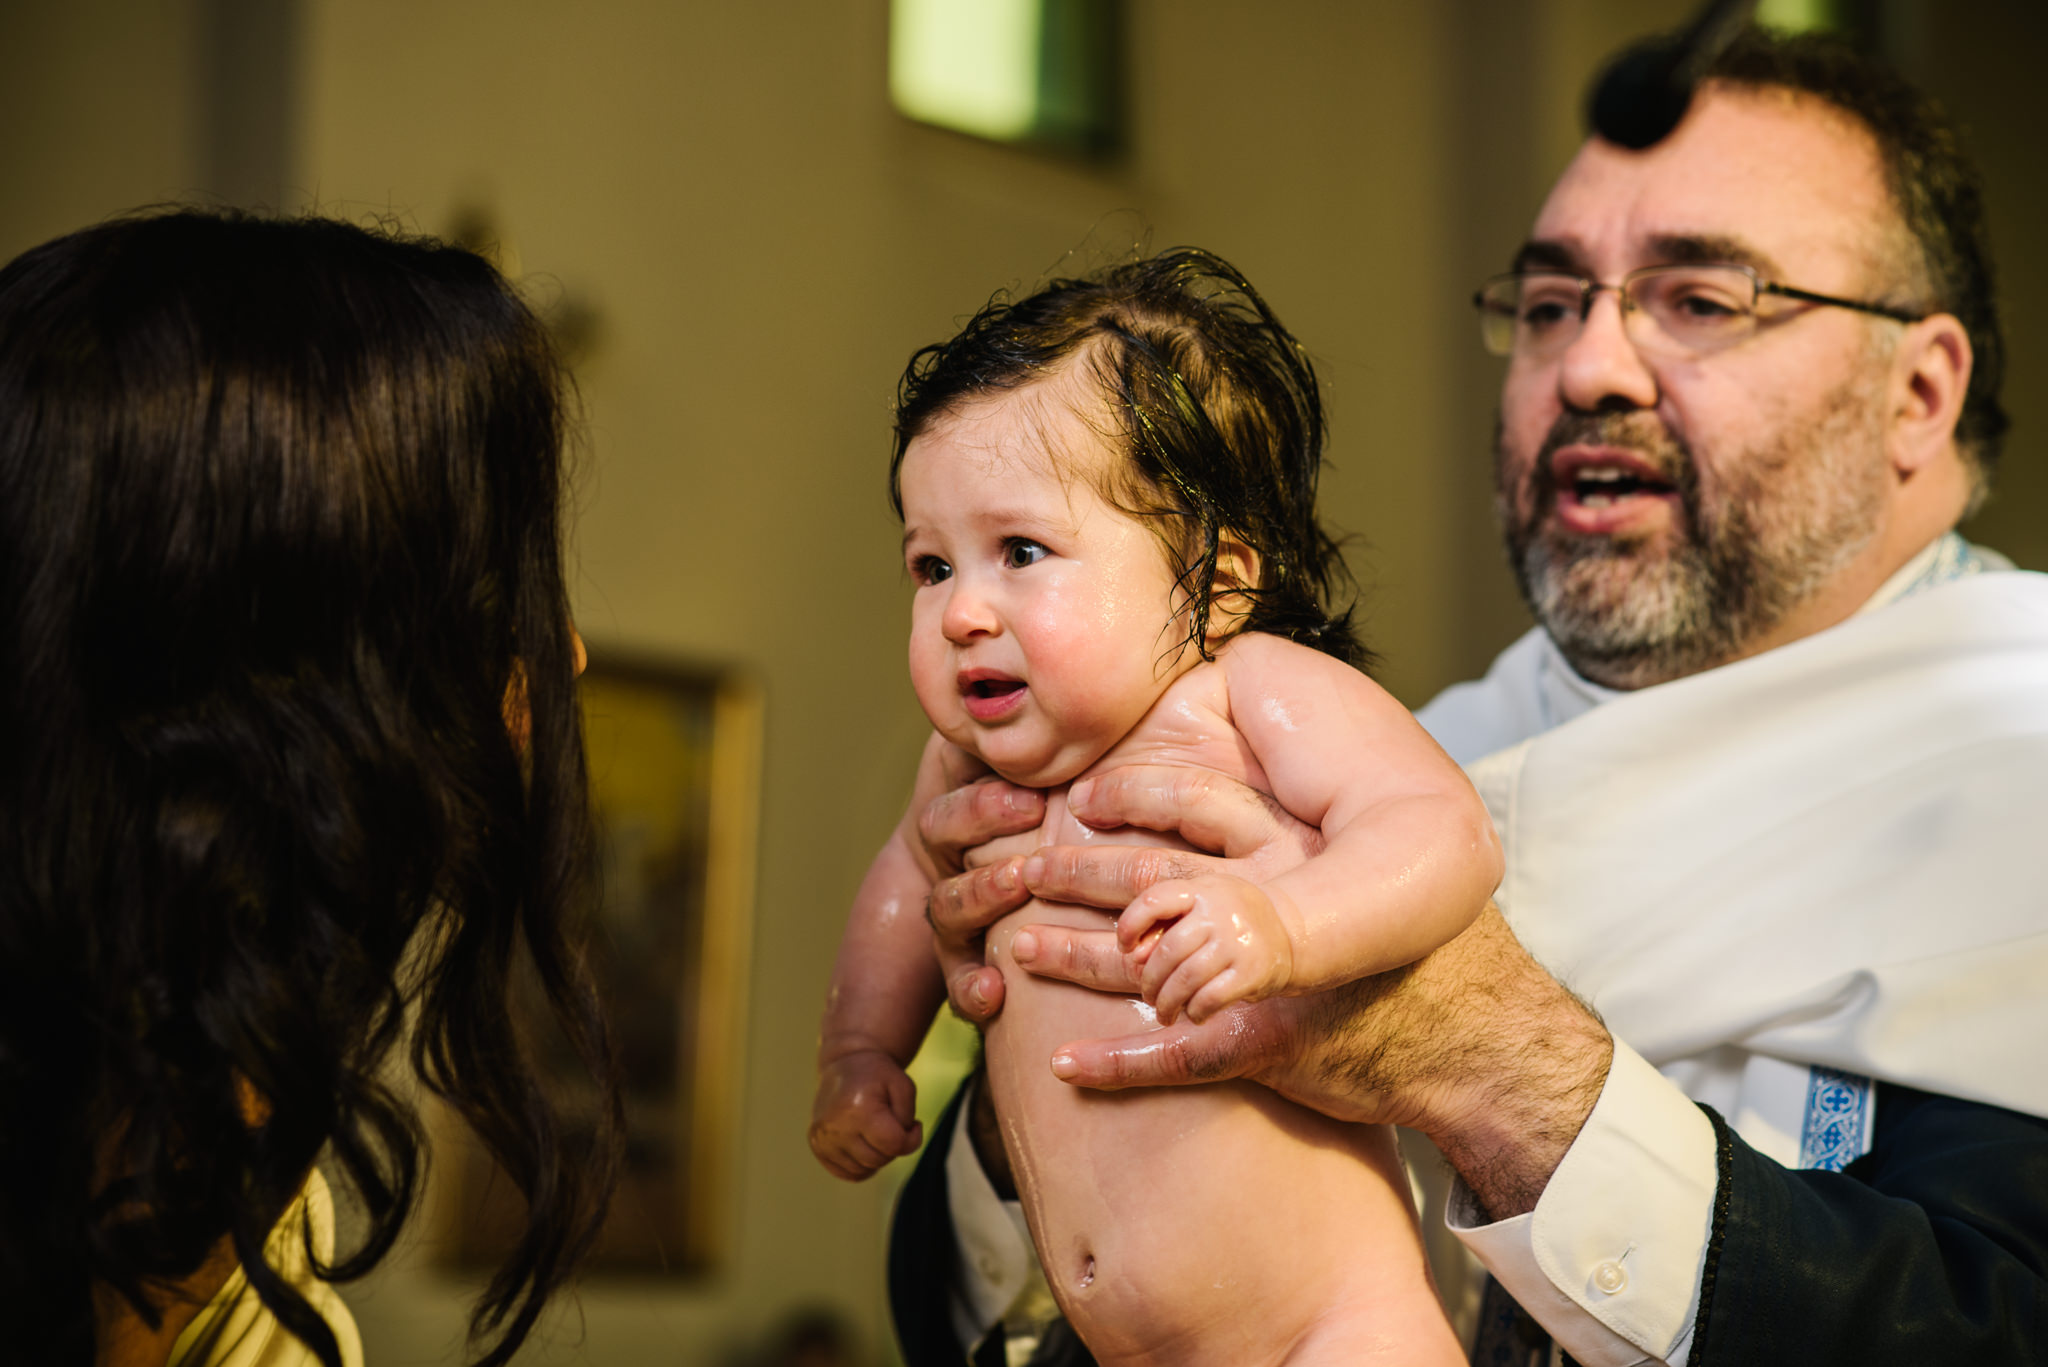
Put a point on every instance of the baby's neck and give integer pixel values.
(1186, 722)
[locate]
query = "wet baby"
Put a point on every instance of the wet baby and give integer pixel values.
(1107, 491)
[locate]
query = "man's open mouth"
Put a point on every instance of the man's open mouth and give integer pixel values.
(1601, 486)
(1609, 490)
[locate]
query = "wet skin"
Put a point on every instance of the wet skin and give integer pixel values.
(1216, 1224)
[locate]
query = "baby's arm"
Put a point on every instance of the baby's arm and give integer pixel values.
(885, 989)
(1411, 856)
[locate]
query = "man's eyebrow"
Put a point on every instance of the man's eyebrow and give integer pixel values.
(1666, 249)
(1542, 254)
(1710, 249)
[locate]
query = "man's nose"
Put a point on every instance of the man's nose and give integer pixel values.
(969, 613)
(1602, 368)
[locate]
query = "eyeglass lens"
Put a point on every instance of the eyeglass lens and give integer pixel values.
(1689, 308)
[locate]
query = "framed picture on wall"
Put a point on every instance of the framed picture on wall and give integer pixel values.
(674, 783)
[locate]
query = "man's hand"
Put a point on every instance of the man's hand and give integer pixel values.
(1255, 837)
(978, 882)
(1475, 1045)
(981, 877)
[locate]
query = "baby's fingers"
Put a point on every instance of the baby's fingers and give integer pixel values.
(859, 1158)
(1156, 905)
(900, 1093)
(1225, 989)
(860, 1146)
(1187, 956)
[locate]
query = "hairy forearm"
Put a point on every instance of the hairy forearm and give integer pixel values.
(1475, 1045)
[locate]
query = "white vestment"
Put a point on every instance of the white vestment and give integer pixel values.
(1825, 855)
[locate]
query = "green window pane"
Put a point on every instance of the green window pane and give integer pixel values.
(1008, 70)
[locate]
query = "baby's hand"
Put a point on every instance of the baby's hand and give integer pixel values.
(865, 1114)
(1204, 943)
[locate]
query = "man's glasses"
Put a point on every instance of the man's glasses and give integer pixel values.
(1673, 309)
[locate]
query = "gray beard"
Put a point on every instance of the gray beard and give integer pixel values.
(1628, 614)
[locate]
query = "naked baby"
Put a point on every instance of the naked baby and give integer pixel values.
(1107, 491)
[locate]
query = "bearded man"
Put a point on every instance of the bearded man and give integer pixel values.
(1769, 776)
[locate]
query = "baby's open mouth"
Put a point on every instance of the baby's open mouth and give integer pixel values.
(991, 697)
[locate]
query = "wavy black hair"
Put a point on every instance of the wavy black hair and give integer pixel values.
(1216, 408)
(290, 760)
(1934, 185)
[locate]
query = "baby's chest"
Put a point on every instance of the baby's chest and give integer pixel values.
(1188, 728)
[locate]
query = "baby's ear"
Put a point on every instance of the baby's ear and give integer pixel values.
(1237, 570)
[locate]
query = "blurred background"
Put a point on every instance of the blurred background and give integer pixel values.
(740, 235)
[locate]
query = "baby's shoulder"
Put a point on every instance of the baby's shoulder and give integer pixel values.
(1190, 724)
(1256, 652)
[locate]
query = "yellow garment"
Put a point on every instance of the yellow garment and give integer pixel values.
(237, 1330)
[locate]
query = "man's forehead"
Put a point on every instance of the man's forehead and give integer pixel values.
(1783, 181)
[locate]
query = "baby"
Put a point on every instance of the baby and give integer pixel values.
(1107, 492)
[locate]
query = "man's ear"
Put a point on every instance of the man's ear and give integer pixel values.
(1237, 569)
(1930, 378)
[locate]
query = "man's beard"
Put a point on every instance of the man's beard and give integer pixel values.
(1629, 612)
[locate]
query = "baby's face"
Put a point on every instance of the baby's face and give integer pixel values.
(1044, 624)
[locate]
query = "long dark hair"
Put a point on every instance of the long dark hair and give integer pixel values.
(279, 539)
(1220, 419)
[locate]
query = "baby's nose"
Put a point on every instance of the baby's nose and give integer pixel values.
(969, 615)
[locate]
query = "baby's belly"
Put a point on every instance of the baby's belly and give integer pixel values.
(1212, 1224)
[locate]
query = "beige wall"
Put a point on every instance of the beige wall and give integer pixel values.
(764, 242)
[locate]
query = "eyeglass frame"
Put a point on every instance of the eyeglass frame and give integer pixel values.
(1588, 288)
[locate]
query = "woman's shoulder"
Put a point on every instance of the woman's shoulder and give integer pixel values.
(236, 1329)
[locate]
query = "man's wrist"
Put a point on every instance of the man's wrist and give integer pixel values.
(1537, 1060)
(1610, 1260)
(1475, 1045)
(1514, 1125)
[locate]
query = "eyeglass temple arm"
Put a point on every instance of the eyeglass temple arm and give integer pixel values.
(1809, 297)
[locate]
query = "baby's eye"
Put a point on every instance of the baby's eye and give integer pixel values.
(1019, 553)
(929, 569)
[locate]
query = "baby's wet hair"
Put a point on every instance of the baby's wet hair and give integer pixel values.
(1215, 409)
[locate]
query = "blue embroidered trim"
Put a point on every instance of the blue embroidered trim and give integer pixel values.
(1837, 1128)
(1954, 558)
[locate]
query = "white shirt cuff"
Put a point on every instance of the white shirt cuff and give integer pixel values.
(996, 1257)
(1610, 1260)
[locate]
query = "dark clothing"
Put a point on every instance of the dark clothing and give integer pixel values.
(1931, 1249)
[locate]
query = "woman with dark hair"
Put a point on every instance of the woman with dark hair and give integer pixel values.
(290, 773)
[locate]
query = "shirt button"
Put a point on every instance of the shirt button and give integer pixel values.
(1609, 1278)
